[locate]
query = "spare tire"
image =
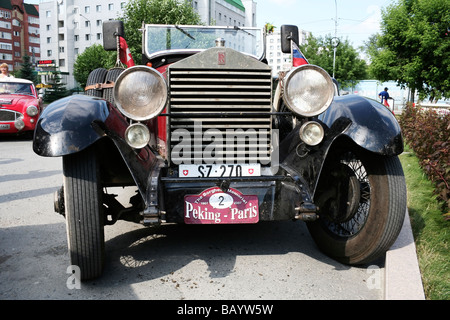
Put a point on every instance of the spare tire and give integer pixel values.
(96, 76)
(111, 77)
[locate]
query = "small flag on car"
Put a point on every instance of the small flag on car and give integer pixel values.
(298, 58)
(125, 53)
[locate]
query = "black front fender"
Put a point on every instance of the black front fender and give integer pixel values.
(373, 126)
(367, 123)
(65, 126)
(72, 124)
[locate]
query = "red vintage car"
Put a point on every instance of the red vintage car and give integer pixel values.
(20, 106)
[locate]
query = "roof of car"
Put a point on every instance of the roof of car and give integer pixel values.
(12, 79)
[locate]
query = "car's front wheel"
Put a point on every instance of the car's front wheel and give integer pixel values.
(84, 212)
(362, 201)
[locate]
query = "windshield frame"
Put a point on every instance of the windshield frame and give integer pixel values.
(259, 53)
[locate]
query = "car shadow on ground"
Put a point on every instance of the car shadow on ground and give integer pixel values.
(148, 256)
(153, 252)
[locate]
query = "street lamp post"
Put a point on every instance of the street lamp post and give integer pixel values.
(335, 42)
(90, 28)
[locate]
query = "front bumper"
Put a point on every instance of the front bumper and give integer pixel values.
(18, 126)
(278, 195)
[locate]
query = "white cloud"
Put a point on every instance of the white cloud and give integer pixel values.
(372, 23)
(359, 31)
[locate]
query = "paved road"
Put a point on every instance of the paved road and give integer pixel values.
(264, 261)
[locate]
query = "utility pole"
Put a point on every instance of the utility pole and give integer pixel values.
(335, 42)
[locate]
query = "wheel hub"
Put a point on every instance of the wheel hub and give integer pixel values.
(346, 195)
(58, 201)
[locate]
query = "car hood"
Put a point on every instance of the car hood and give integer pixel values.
(16, 102)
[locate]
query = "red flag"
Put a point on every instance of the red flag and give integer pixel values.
(125, 53)
(298, 58)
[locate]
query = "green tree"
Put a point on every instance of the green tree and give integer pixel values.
(92, 58)
(349, 68)
(137, 12)
(57, 91)
(371, 47)
(27, 71)
(414, 47)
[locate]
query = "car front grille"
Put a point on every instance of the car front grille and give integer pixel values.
(9, 115)
(212, 106)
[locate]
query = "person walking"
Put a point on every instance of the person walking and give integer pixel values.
(384, 95)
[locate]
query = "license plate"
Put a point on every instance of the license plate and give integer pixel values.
(4, 126)
(219, 170)
(213, 206)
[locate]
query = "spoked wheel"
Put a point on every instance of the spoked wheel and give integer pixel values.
(362, 201)
(84, 212)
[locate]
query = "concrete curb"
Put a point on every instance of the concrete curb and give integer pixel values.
(402, 274)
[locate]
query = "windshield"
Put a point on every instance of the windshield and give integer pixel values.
(175, 38)
(15, 88)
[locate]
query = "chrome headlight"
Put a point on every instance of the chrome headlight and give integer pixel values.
(32, 111)
(140, 93)
(308, 90)
(137, 135)
(311, 133)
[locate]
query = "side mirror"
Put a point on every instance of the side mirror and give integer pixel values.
(112, 29)
(288, 33)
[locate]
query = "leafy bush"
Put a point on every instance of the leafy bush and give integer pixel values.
(428, 134)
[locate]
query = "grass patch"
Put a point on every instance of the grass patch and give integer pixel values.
(430, 230)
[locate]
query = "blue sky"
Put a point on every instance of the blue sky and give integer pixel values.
(357, 19)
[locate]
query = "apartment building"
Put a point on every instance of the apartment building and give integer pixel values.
(68, 27)
(238, 13)
(19, 32)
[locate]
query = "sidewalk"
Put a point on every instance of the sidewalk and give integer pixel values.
(402, 275)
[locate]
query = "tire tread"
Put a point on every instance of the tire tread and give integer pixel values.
(84, 223)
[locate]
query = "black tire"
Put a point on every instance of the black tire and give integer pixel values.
(111, 76)
(84, 213)
(362, 201)
(96, 76)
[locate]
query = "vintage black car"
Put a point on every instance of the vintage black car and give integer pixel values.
(209, 134)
